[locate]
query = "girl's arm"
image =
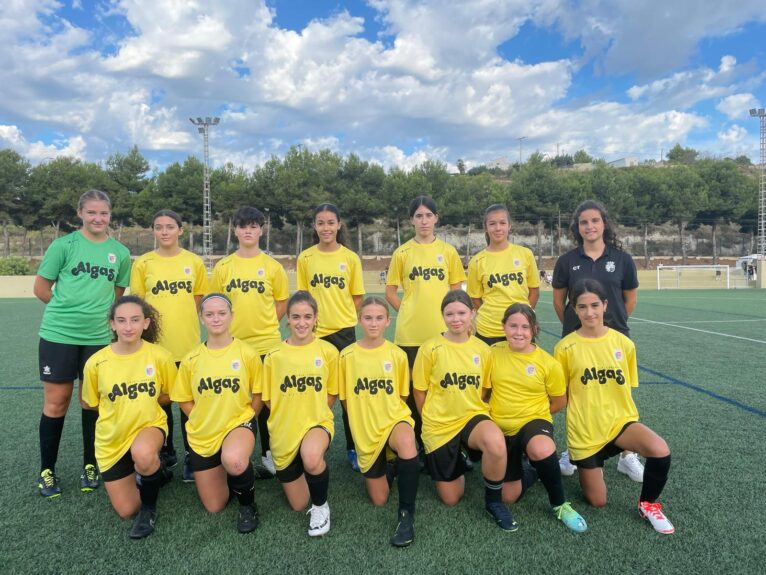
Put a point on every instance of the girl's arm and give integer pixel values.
(164, 399)
(186, 407)
(331, 399)
(477, 301)
(281, 307)
(197, 301)
(557, 403)
(43, 289)
(534, 295)
(455, 286)
(257, 403)
(486, 393)
(118, 291)
(559, 302)
(392, 297)
(357, 301)
(420, 399)
(630, 296)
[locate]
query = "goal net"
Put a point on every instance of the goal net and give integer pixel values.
(693, 277)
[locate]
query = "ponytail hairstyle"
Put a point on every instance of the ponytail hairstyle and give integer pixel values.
(375, 300)
(491, 210)
(153, 331)
(302, 296)
(340, 236)
(610, 233)
(93, 194)
(458, 295)
(587, 285)
(168, 214)
(525, 310)
(215, 295)
(426, 201)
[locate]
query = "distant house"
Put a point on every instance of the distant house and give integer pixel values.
(627, 162)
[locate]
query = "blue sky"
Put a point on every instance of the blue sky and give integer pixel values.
(394, 81)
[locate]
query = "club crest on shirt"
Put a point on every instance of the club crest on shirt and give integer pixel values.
(618, 354)
(476, 360)
(261, 272)
(531, 369)
(317, 362)
(150, 370)
(342, 267)
(517, 263)
(187, 271)
(610, 267)
(235, 364)
(440, 258)
(387, 366)
(112, 258)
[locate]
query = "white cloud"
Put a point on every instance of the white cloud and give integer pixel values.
(12, 137)
(737, 105)
(733, 135)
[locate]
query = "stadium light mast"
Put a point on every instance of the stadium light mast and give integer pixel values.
(760, 113)
(520, 141)
(203, 127)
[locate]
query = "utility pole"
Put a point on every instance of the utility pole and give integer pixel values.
(760, 113)
(203, 127)
(520, 140)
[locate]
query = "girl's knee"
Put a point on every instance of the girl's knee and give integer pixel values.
(596, 500)
(234, 464)
(379, 499)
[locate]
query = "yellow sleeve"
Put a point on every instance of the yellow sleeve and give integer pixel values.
(216, 279)
(90, 393)
(533, 274)
(279, 285)
(394, 275)
(301, 282)
(561, 357)
(342, 366)
(332, 371)
(137, 279)
(456, 273)
(181, 390)
(486, 368)
(633, 365)
(555, 384)
(402, 373)
(200, 279)
(421, 370)
(474, 286)
(357, 280)
(168, 373)
(255, 369)
(266, 379)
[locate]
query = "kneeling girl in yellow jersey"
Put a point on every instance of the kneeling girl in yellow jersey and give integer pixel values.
(600, 368)
(449, 374)
(332, 274)
(527, 386)
(374, 382)
(300, 385)
(128, 382)
(218, 388)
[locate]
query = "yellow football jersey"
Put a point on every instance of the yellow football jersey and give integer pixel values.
(297, 381)
(221, 383)
(453, 374)
(424, 272)
(372, 382)
(169, 284)
(500, 279)
(522, 384)
(332, 278)
(600, 373)
(125, 388)
(252, 285)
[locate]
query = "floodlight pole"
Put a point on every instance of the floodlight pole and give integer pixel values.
(203, 127)
(760, 113)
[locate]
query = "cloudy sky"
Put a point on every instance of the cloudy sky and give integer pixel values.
(395, 81)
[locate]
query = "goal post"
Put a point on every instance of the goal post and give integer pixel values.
(693, 277)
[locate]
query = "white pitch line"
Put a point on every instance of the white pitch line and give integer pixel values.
(634, 318)
(712, 321)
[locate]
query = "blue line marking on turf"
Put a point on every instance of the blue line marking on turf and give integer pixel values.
(687, 385)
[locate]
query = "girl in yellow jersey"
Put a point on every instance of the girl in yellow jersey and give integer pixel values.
(257, 286)
(425, 268)
(173, 280)
(450, 373)
(300, 384)
(527, 386)
(500, 275)
(332, 274)
(600, 368)
(218, 387)
(127, 382)
(374, 381)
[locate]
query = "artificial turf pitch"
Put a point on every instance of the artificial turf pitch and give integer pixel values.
(702, 356)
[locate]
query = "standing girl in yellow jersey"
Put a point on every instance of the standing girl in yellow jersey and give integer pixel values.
(450, 373)
(500, 275)
(332, 274)
(257, 286)
(127, 382)
(172, 280)
(218, 388)
(374, 381)
(527, 386)
(600, 368)
(425, 268)
(300, 385)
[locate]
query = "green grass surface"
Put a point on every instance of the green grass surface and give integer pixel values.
(713, 495)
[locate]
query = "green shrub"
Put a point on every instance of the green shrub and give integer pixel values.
(14, 266)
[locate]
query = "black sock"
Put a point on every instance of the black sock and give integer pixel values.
(347, 429)
(168, 409)
(149, 489)
(243, 485)
(655, 476)
(89, 417)
(416, 418)
(493, 491)
(409, 475)
(318, 486)
(51, 429)
(550, 475)
(184, 419)
(263, 430)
